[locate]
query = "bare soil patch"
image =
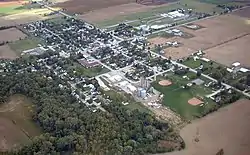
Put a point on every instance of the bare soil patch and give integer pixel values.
(83, 6)
(16, 125)
(7, 53)
(226, 129)
(243, 12)
(195, 101)
(11, 34)
(114, 11)
(228, 53)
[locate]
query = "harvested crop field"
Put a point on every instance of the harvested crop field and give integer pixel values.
(16, 125)
(11, 34)
(217, 31)
(7, 53)
(226, 129)
(228, 53)
(243, 12)
(114, 11)
(83, 6)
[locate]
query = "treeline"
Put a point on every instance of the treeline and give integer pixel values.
(71, 128)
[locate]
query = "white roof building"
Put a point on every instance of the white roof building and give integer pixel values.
(244, 70)
(236, 64)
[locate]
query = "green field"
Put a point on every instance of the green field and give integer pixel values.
(7, 10)
(176, 97)
(25, 44)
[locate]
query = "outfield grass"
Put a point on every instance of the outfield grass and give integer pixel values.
(25, 44)
(176, 97)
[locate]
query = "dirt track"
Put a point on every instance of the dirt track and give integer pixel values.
(228, 129)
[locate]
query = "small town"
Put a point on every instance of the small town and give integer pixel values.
(148, 69)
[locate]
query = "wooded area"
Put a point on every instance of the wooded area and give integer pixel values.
(70, 127)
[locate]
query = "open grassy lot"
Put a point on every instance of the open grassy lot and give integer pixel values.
(16, 124)
(25, 44)
(176, 97)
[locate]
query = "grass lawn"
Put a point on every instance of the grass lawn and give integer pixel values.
(25, 44)
(195, 64)
(176, 97)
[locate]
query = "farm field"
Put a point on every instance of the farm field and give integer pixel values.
(226, 129)
(243, 12)
(83, 6)
(7, 53)
(112, 12)
(228, 53)
(176, 97)
(216, 32)
(11, 35)
(113, 15)
(16, 124)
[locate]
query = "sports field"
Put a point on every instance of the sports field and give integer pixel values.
(176, 97)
